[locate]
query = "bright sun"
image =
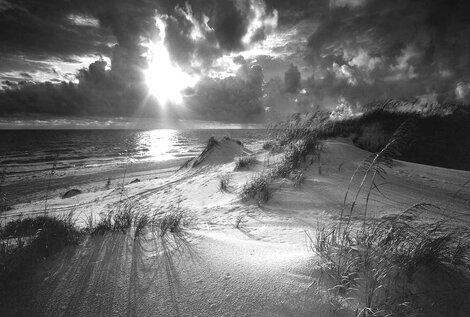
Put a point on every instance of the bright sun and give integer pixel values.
(165, 80)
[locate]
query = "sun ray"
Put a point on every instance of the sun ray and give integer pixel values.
(165, 79)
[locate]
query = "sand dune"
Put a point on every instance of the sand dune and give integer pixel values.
(264, 268)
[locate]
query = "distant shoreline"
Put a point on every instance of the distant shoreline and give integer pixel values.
(26, 191)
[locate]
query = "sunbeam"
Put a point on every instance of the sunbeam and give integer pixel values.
(165, 79)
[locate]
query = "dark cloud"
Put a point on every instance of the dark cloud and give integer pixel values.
(204, 30)
(292, 79)
(99, 92)
(280, 103)
(368, 50)
(56, 32)
(237, 98)
(229, 20)
(359, 50)
(42, 28)
(59, 30)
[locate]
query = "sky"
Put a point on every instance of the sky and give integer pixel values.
(227, 60)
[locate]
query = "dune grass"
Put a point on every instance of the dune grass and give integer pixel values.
(173, 221)
(3, 194)
(376, 262)
(170, 222)
(441, 137)
(224, 182)
(141, 222)
(27, 241)
(244, 162)
(24, 242)
(258, 188)
(125, 219)
(300, 147)
(373, 264)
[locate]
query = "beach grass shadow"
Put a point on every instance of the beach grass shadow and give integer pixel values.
(158, 257)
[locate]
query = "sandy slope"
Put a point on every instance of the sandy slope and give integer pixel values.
(263, 269)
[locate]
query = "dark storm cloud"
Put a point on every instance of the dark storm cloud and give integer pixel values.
(99, 92)
(366, 50)
(42, 28)
(39, 31)
(359, 50)
(203, 30)
(292, 79)
(238, 97)
(230, 23)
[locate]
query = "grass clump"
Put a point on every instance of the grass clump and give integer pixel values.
(24, 242)
(4, 206)
(269, 146)
(171, 221)
(224, 183)
(103, 225)
(299, 140)
(379, 262)
(126, 220)
(120, 219)
(258, 188)
(298, 178)
(141, 221)
(47, 230)
(123, 217)
(300, 144)
(297, 127)
(108, 183)
(303, 151)
(244, 162)
(299, 137)
(240, 221)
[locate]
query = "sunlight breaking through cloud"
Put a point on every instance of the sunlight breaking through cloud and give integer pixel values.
(165, 79)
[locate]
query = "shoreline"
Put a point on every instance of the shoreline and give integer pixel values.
(33, 190)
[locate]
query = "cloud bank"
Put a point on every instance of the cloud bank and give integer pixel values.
(118, 33)
(365, 50)
(88, 58)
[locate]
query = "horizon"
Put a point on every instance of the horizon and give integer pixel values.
(122, 124)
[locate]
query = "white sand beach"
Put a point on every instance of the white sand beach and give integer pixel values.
(263, 268)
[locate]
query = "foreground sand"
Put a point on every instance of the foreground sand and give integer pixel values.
(264, 268)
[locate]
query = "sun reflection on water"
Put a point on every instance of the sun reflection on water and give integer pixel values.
(160, 144)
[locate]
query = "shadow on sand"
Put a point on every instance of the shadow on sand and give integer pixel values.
(157, 258)
(115, 274)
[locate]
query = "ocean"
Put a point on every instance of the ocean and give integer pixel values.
(26, 154)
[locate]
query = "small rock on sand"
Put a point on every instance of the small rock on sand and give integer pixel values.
(71, 193)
